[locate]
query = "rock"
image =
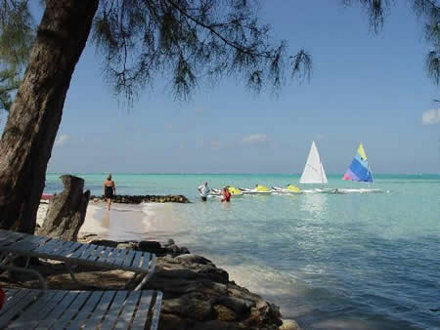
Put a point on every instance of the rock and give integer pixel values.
(128, 245)
(105, 242)
(194, 259)
(193, 305)
(149, 245)
(238, 305)
(224, 313)
(66, 211)
(289, 325)
(137, 199)
(156, 248)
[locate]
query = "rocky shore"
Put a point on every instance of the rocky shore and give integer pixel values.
(199, 295)
(137, 199)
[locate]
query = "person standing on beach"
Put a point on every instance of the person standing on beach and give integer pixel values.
(109, 190)
(204, 191)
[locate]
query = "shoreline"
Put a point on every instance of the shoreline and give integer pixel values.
(192, 284)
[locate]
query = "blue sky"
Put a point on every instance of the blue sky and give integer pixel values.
(364, 88)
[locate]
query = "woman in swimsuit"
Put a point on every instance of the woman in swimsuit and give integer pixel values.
(109, 190)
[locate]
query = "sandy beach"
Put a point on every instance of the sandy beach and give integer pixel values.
(123, 221)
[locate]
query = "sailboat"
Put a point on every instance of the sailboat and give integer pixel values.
(359, 169)
(313, 170)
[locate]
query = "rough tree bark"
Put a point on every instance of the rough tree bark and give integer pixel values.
(34, 118)
(67, 210)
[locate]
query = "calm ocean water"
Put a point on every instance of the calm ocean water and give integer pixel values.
(355, 260)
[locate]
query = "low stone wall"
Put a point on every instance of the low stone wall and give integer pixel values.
(136, 199)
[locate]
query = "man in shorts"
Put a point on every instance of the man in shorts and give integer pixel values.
(204, 191)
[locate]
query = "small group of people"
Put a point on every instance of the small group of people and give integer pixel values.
(204, 191)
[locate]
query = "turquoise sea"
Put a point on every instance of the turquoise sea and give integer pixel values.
(355, 260)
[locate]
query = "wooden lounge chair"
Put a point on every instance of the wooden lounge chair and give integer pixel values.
(61, 309)
(14, 244)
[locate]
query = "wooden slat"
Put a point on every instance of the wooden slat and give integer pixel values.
(59, 310)
(7, 239)
(137, 261)
(78, 252)
(90, 249)
(95, 254)
(73, 251)
(126, 316)
(107, 253)
(146, 262)
(48, 246)
(16, 306)
(39, 309)
(26, 245)
(11, 298)
(129, 258)
(75, 309)
(86, 310)
(141, 315)
(69, 249)
(114, 310)
(8, 234)
(154, 324)
(54, 246)
(100, 311)
(122, 253)
(75, 306)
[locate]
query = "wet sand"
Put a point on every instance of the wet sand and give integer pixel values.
(125, 221)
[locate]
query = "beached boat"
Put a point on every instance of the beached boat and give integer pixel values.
(359, 169)
(313, 172)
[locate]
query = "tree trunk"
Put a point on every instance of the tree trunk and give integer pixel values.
(34, 118)
(67, 210)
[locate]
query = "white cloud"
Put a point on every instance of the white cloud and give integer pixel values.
(254, 139)
(431, 117)
(61, 140)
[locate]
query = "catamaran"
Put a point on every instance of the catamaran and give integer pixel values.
(359, 169)
(313, 170)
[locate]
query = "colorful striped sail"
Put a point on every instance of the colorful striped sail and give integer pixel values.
(359, 170)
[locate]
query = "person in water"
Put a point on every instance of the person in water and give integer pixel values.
(204, 191)
(109, 190)
(226, 195)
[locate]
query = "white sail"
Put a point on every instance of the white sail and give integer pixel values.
(313, 171)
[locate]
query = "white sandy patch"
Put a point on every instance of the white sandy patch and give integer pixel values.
(147, 221)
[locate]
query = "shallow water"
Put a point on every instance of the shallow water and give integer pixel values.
(355, 260)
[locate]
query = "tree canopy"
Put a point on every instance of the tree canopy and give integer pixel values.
(16, 38)
(185, 40)
(189, 40)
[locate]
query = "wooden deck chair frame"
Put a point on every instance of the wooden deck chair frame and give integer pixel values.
(64, 309)
(14, 245)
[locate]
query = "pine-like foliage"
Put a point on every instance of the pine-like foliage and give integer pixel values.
(16, 38)
(185, 40)
(430, 11)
